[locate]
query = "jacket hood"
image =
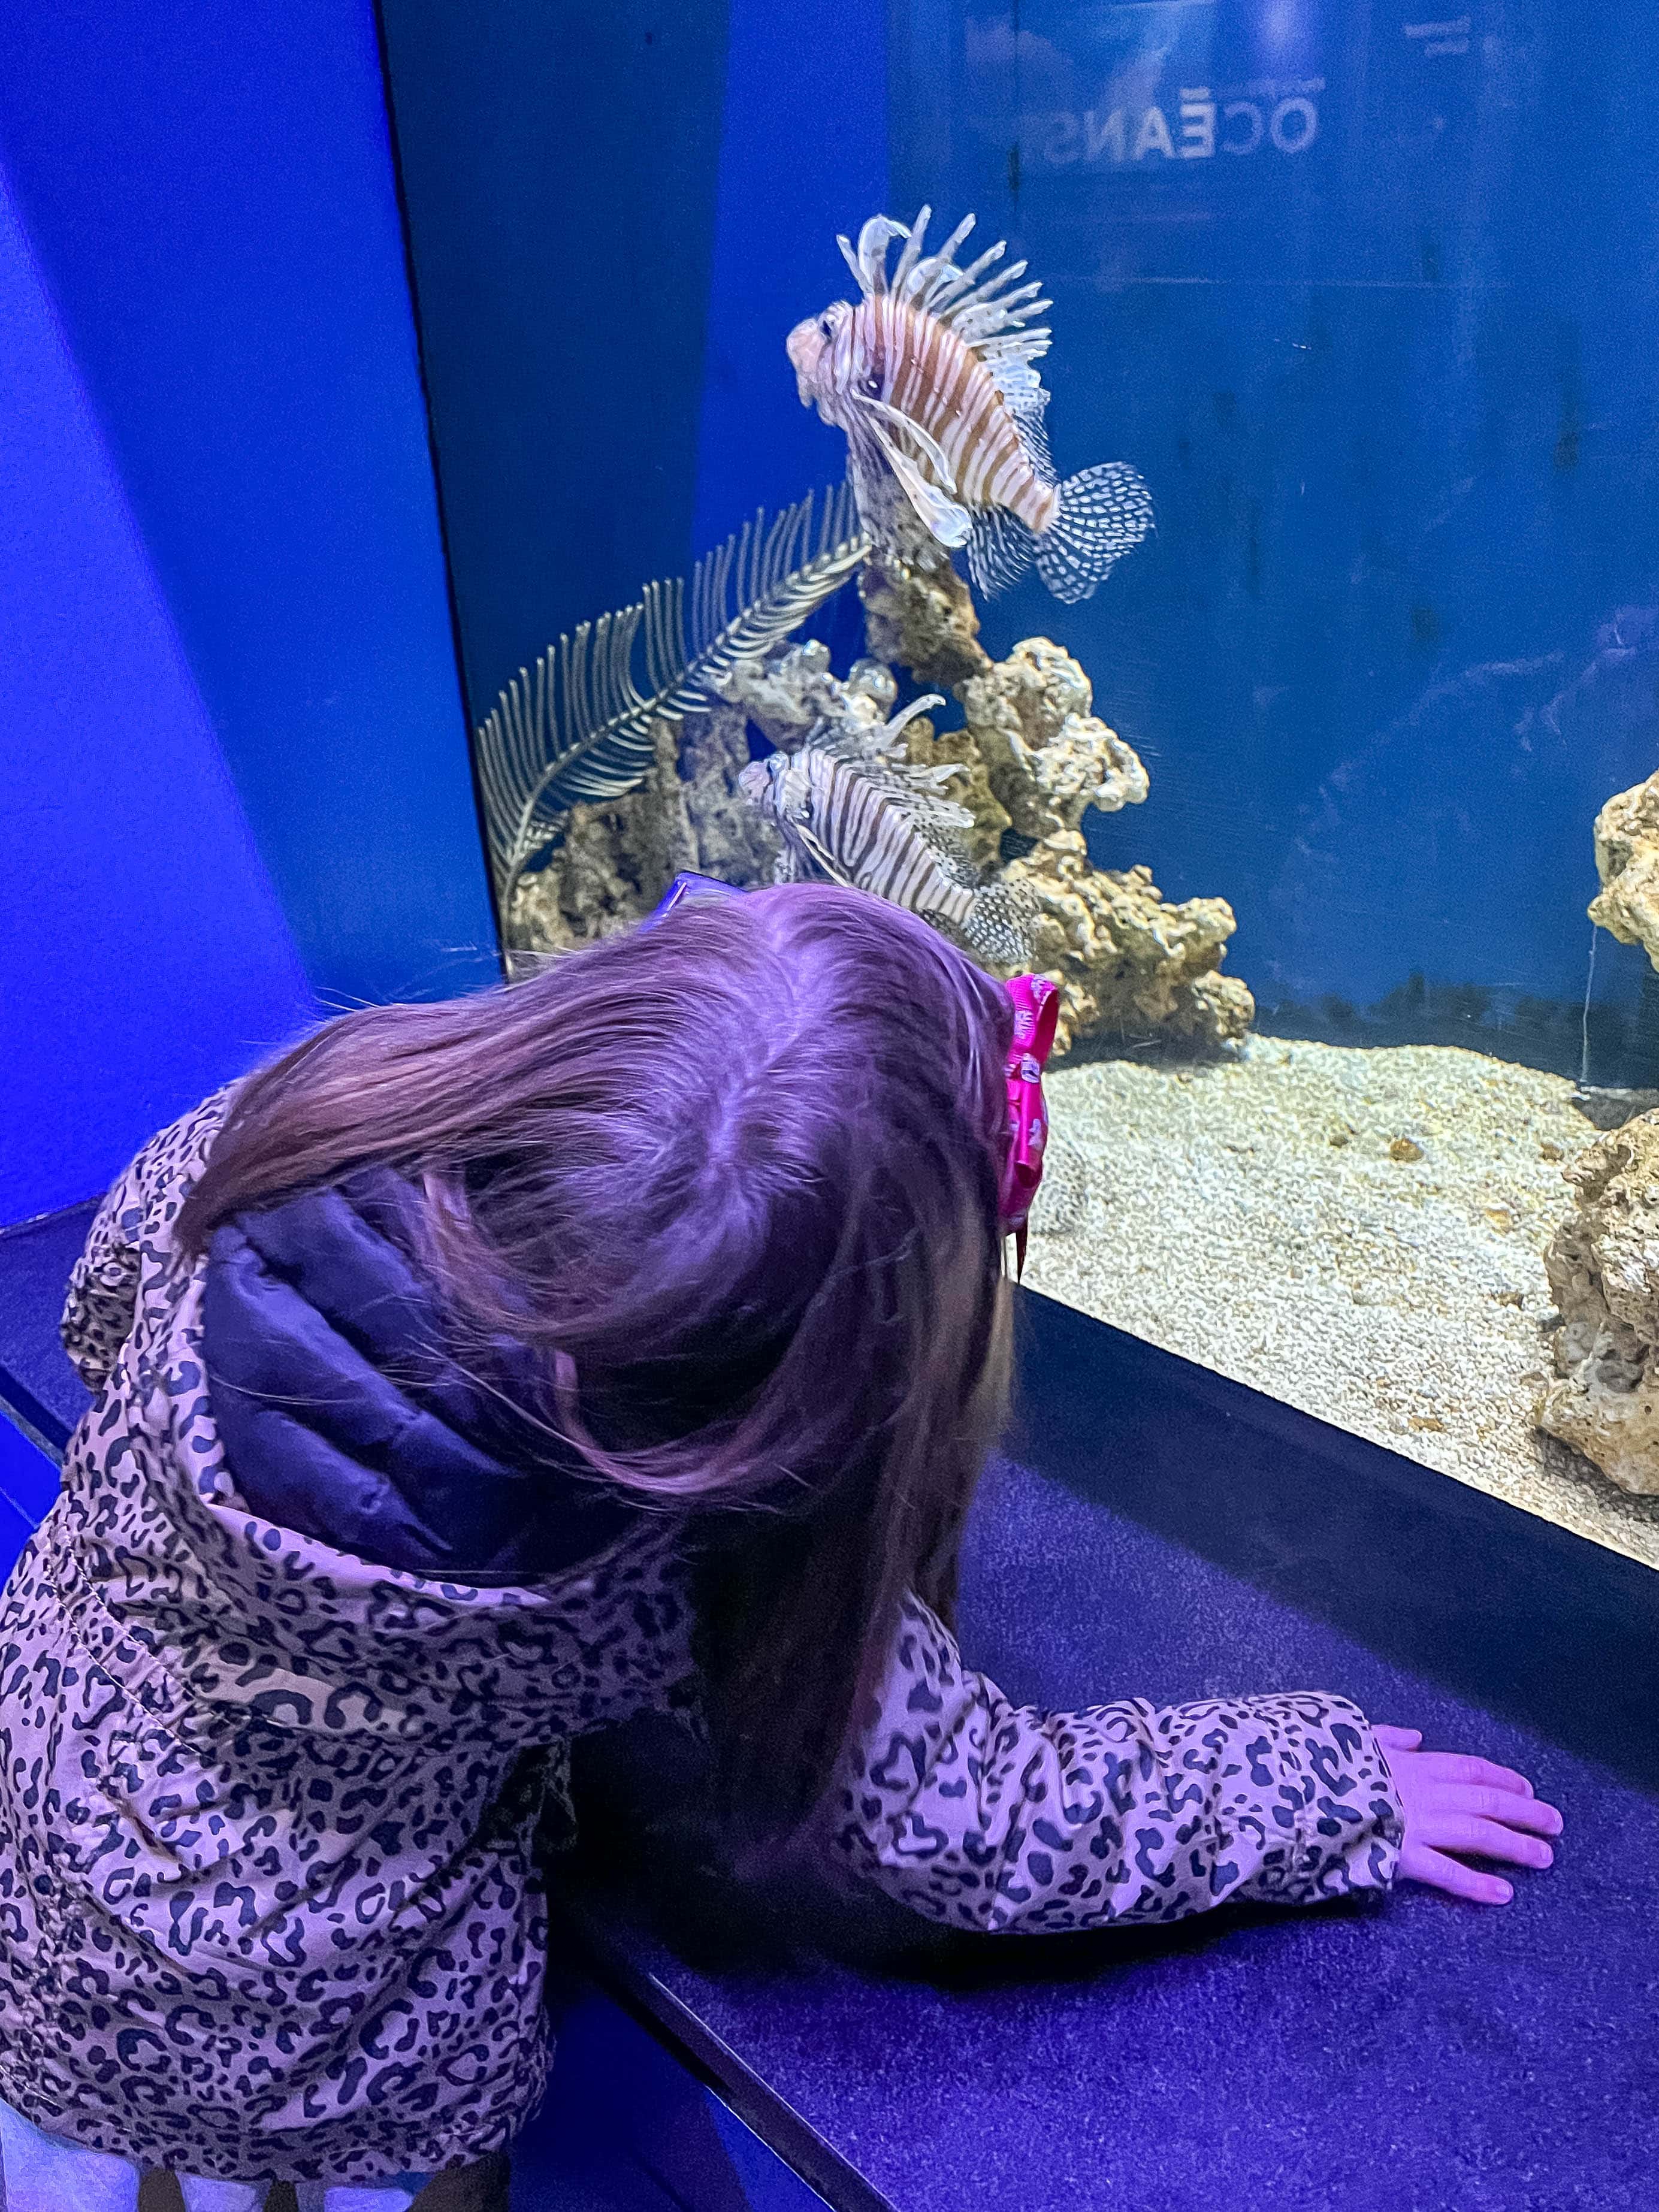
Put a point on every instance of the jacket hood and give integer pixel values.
(344, 1418)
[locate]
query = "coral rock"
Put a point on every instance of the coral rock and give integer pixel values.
(1628, 861)
(730, 839)
(1133, 967)
(925, 747)
(918, 612)
(1033, 758)
(1048, 755)
(1030, 760)
(1603, 1268)
(793, 697)
(615, 859)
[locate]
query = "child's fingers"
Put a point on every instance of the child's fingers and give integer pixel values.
(1396, 1739)
(1482, 1803)
(1460, 1766)
(1488, 1839)
(1438, 1872)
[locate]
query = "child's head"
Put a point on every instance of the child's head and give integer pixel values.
(736, 1180)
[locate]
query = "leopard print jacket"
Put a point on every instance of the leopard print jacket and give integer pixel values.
(269, 1902)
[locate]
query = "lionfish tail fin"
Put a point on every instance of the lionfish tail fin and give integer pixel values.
(1104, 513)
(1001, 924)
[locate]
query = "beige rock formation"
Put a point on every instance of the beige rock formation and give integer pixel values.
(1603, 1269)
(1628, 861)
(1134, 970)
(1047, 757)
(918, 612)
(616, 861)
(1034, 757)
(794, 696)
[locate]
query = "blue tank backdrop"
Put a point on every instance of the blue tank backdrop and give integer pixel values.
(605, 208)
(805, 100)
(210, 193)
(559, 168)
(1367, 301)
(1363, 301)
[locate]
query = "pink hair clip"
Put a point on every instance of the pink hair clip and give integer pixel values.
(1036, 1011)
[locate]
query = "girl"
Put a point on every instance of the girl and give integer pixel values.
(478, 1375)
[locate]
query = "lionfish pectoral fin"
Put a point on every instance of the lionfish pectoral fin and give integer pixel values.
(1001, 923)
(924, 440)
(1027, 407)
(949, 523)
(821, 856)
(999, 550)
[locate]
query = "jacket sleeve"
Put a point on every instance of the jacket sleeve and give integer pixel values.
(103, 1286)
(984, 1815)
(102, 1302)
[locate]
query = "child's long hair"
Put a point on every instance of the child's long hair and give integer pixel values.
(735, 1180)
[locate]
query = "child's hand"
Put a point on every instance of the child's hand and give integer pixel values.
(1465, 1805)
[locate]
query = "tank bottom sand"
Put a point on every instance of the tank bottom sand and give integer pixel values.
(1359, 1232)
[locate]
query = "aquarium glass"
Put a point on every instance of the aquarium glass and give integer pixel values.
(1299, 804)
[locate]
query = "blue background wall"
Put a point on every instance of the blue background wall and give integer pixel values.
(1393, 381)
(610, 205)
(236, 773)
(802, 153)
(1396, 640)
(560, 166)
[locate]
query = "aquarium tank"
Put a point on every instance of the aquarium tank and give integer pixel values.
(1224, 579)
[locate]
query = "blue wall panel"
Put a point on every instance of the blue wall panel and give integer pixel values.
(210, 191)
(802, 153)
(143, 957)
(616, 214)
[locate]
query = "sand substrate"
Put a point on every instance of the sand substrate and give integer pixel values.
(1359, 1232)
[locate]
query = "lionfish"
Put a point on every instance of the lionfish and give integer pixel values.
(930, 376)
(876, 830)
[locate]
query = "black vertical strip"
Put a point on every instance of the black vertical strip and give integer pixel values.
(383, 46)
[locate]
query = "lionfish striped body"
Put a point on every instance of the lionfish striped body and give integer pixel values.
(918, 367)
(931, 377)
(839, 822)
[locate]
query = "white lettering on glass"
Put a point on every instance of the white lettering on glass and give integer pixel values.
(1197, 126)
(1064, 141)
(1251, 114)
(1103, 134)
(1294, 125)
(1153, 135)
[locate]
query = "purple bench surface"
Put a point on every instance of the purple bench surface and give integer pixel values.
(1169, 1535)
